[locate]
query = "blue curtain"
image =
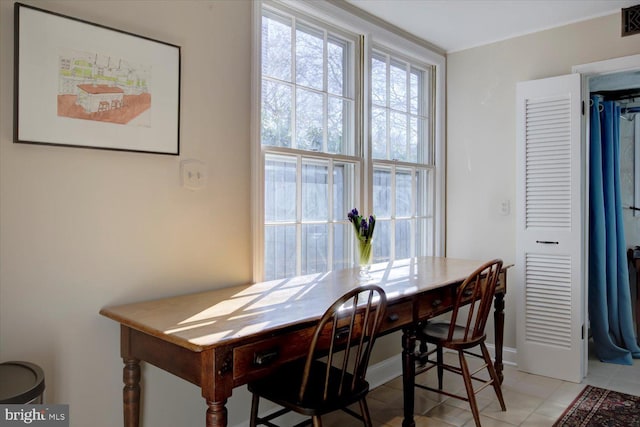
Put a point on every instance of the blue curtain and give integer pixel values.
(609, 295)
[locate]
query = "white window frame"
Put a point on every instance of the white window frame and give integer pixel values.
(382, 36)
(427, 164)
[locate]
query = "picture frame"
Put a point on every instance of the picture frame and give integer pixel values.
(82, 84)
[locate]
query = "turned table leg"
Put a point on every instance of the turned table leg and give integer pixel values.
(498, 324)
(131, 392)
(216, 414)
(408, 375)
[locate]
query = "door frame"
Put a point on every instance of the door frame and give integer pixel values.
(610, 66)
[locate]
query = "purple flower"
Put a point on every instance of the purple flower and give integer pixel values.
(372, 225)
(362, 227)
(353, 215)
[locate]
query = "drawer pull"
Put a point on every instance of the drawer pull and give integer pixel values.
(265, 358)
(393, 317)
(342, 333)
(436, 302)
(467, 293)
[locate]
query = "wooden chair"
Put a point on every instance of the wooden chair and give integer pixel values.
(465, 331)
(332, 376)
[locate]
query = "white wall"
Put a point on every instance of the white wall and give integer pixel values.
(82, 228)
(481, 129)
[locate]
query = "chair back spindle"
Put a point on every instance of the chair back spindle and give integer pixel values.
(361, 311)
(479, 287)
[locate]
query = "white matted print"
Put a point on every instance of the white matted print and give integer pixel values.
(86, 85)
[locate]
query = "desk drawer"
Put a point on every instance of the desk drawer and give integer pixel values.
(254, 360)
(257, 358)
(397, 315)
(433, 303)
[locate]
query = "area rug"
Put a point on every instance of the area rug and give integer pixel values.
(597, 407)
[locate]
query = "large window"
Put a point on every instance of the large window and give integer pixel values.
(326, 147)
(402, 147)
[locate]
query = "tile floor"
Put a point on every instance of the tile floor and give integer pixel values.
(531, 400)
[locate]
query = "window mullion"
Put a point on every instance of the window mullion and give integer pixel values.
(294, 86)
(392, 226)
(407, 138)
(325, 92)
(325, 122)
(388, 103)
(407, 141)
(330, 218)
(413, 226)
(299, 215)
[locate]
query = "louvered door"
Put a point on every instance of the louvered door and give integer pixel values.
(549, 259)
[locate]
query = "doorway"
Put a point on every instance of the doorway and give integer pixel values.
(618, 80)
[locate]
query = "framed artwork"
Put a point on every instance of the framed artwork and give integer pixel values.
(85, 85)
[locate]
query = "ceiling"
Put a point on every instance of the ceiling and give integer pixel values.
(455, 25)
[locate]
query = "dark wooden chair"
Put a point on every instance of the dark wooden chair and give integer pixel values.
(465, 331)
(332, 376)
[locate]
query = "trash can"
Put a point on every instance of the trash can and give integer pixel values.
(21, 382)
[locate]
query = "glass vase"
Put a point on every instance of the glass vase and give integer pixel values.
(364, 261)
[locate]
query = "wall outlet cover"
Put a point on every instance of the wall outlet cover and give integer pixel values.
(193, 174)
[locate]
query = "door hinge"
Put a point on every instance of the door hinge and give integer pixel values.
(583, 115)
(583, 330)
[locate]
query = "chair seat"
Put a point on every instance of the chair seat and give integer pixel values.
(438, 333)
(285, 391)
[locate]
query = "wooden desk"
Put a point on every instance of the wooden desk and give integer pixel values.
(225, 338)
